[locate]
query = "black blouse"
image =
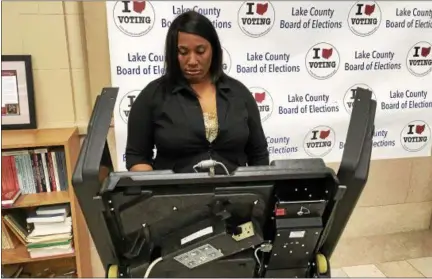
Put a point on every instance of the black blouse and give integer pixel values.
(169, 117)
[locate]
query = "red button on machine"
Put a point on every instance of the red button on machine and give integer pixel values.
(280, 212)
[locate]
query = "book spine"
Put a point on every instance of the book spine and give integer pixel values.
(27, 179)
(36, 172)
(41, 172)
(63, 180)
(30, 173)
(14, 175)
(56, 170)
(53, 185)
(22, 178)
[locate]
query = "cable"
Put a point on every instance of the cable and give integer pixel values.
(264, 248)
(151, 266)
(223, 166)
(207, 164)
(256, 256)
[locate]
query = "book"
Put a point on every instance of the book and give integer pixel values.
(48, 229)
(33, 217)
(10, 188)
(15, 219)
(8, 238)
(53, 209)
(50, 252)
(49, 238)
(9, 197)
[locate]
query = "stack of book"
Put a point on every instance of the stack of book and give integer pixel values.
(51, 233)
(46, 231)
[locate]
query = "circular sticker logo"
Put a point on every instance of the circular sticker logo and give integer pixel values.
(364, 18)
(256, 19)
(351, 93)
(264, 101)
(415, 136)
(419, 59)
(319, 141)
(134, 18)
(322, 61)
(226, 60)
(126, 103)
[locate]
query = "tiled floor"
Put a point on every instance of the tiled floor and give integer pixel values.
(382, 248)
(420, 267)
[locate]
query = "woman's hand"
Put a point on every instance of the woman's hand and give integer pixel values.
(141, 167)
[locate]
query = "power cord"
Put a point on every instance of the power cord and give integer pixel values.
(151, 266)
(208, 164)
(264, 248)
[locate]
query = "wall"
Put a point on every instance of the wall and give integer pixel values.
(71, 65)
(53, 33)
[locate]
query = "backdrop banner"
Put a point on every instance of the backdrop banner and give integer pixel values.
(302, 61)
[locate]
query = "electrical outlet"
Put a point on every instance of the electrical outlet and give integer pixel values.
(247, 230)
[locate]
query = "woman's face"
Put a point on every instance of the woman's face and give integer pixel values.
(194, 55)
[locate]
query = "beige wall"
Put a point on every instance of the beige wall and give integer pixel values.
(71, 65)
(53, 33)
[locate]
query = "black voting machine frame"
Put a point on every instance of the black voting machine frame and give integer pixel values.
(282, 220)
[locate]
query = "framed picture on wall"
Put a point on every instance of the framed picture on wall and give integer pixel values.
(17, 93)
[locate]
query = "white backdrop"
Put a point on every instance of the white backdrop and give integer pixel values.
(301, 61)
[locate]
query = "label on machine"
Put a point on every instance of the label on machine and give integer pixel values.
(297, 234)
(198, 256)
(196, 235)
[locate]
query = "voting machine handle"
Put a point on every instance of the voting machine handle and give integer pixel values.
(85, 178)
(354, 168)
(95, 150)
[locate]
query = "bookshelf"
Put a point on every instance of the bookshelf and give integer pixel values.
(67, 139)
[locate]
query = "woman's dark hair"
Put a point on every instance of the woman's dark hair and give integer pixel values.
(193, 23)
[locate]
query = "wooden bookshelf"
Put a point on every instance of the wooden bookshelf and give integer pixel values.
(32, 200)
(68, 138)
(20, 255)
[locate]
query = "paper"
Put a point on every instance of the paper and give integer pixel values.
(9, 92)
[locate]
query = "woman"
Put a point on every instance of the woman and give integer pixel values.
(194, 112)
